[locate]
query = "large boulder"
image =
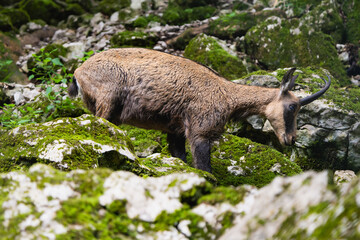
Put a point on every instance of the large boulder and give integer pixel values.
(233, 25)
(66, 143)
(279, 42)
(302, 207)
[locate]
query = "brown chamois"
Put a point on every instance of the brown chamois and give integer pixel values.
(182, 98)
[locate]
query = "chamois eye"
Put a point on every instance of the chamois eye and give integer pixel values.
(292, 107)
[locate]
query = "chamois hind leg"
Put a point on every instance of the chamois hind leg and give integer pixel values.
(200, 149)
(177, 146)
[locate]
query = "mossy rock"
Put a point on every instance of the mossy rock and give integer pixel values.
(326, 17)
(236, 24)
(193, 3)
(351, 10)
(277, 43)
(80, 143)
(297, 8)
(236, 161)
(207, 50)
(108, 7)
(177, 15)
(12, 18)
(146, 142)
(103, 204)
(49, 11)
(134, 39)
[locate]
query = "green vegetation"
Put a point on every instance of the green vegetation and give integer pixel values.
(282, 43)
(133, 39)
(206, 50)
(236, 161)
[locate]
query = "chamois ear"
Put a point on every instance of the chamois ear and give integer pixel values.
(288, 81)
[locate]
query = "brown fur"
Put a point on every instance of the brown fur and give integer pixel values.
(155, 90)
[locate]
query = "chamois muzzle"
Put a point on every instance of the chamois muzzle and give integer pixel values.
(315, 96)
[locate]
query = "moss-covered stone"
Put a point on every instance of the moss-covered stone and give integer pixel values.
(326, 17)
(235, 24)
(133, 39)
(103, 204)
(296, 8)
(12, 18)
(176, 14)
(285, 43)
(85, 142)
(108, 7)
(208, 51)
(49, 11)
(237, 161)
(351, 10)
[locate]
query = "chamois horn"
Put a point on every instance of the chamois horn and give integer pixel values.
(316, 95)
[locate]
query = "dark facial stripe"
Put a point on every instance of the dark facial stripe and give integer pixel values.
(289, 118)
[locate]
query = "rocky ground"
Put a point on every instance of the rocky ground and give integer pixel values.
(66, 174)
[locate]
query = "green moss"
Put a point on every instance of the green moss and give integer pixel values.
(351, 9)
(237, 161)
(133, 39)
(145, 142)
(326, 18)
(299, 7)
(207, 50)
(108, 7)
(281, 43)
(223, 194)
(47, 10)
(12, 18)
(24, 148)
(235, 24)
(164, 220)
(178, 15)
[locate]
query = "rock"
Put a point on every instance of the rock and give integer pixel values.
(19, 98)
(67, 144)
(266, 213)
(351, 10)
(234, 25)
(344, 176)
(45, 202)
(280, 42)
(208, 51)
(237, 161)
(133, 39)
(75, 50)
(50, 203)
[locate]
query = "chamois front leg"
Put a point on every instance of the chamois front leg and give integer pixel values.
(200, 149)
(177, 146)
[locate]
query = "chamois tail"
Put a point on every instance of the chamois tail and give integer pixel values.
(73, 89)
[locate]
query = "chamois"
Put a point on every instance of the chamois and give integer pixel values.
(186, 100)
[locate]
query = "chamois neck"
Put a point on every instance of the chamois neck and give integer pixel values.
(251, 100)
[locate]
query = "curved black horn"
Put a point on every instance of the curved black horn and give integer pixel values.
(315, 96)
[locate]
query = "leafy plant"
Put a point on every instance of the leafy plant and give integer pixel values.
(53, 102)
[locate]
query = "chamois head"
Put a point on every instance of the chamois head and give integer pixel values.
(282, 112)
